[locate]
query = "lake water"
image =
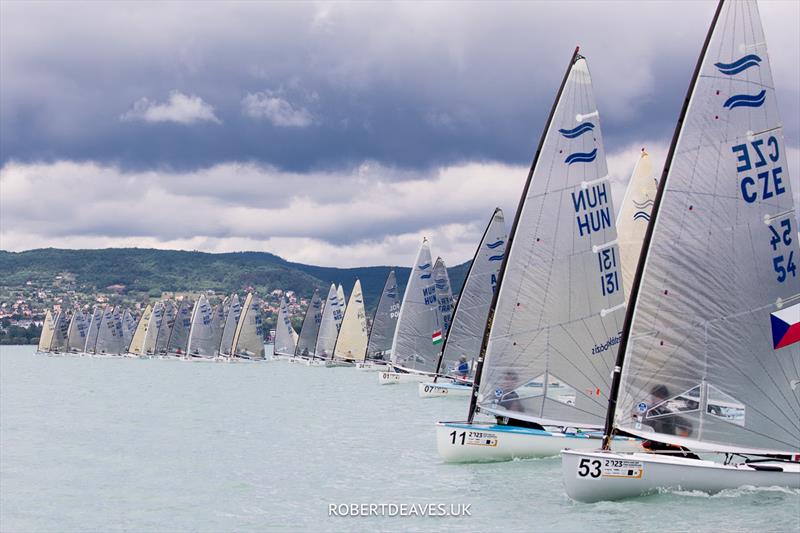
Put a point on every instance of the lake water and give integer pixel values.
(157, 445)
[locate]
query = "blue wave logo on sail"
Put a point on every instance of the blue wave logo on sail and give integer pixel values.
(441, 284)
(746, 100)
(643, 205)
(496, 257)
(581, 157)
(641, 215)
(494, 245)
(425, 276)
(577, 131)
(423, 267)
(741, 64)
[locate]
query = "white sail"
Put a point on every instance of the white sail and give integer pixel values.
(109, 334)
(351, 345)
(136, 346)
(633, 217)
(165, 329)
(713, 349)
(465, 335)
(128, 329)
(384, 322)
(285, 336)
(153, 327)
(203, 341)
(48, 331)
(78, 327)
(61, 329)
(560, 308)
(342, 303)
(419, 336)
(248, 341)
(231, 321)
(179, 336)
(444, 293)
(329, 327)
(94, 329)
(218, 316)
(310, 328)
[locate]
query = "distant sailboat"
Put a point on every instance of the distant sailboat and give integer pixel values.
(709, 353)
(203, 340)
(128, 329)
(76, 334)
(444, 293)
(94, 329)
(309, 330)
(48, 331)
(285, 335)
(328, 329)
(351, 345)
(339, 314)
(547, 354)
(59, 342)
(231, 322)
(418, 336)
(462, 344)
(248, 341)
(151, 333)
(136, 346)
(179, 335)
(384, 322)
(109, 333)
(165, 329)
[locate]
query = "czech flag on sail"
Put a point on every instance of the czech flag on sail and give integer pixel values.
(436, 338)
(785, 326)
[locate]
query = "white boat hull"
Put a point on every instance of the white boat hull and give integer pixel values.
(591, 476)
(430, 389)
(317, 362)
(371, 366)
(393, 378)
(460, 442)
(276, 357)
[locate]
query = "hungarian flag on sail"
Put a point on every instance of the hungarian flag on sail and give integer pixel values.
(436, 338)
(785, 326)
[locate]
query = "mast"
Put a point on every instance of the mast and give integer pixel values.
(464, 284)
(631, 304)
(473, 403)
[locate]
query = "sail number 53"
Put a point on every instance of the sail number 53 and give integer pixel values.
(590, 468)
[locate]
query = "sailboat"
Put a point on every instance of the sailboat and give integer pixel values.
(307, 340)
(545, 363)
(61, 327)
(285, 335)
(48, 330)
(229, 330)
(463, 340)
(165, 329)
(153, 328)
(203, 341)
(178, 342)
(418, 337)
(444, 294)
(109, 333)
(328, 330)
(342, 305)
(384, 322)
(351, 344)
(248, 341)
(709, 352)
(76, 333)
(94, 329)
(129, 325)
(136, 346)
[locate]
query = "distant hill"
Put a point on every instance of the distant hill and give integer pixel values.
(144, 270)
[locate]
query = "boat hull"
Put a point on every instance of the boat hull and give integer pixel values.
(370, 366)
(591, 476)
(276, 357)
(393, 378)
(461, 442)
(430, 389)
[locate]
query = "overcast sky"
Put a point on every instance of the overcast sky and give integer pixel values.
(333, 134)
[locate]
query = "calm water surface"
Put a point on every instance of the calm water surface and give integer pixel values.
(157, 445)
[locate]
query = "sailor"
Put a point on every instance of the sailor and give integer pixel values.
(463, 367)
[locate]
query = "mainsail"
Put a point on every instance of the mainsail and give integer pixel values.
(633, 217)
(136, 346)
(203, 341)
(165, 329)
(310, 328)
(59, 341)
(558, 311)
(329, 327)
(76, 336)
(94, 329)
(153, 327)
(285, 336)
(179, 337)
(128, 329)
(711, 344)
(444, 293)
(339, 313)
(384, 322)
(248, 341)
(351, 344)
(469, 316)
(48, 331)
(109, 334)
(231, 321)
(419, 336)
